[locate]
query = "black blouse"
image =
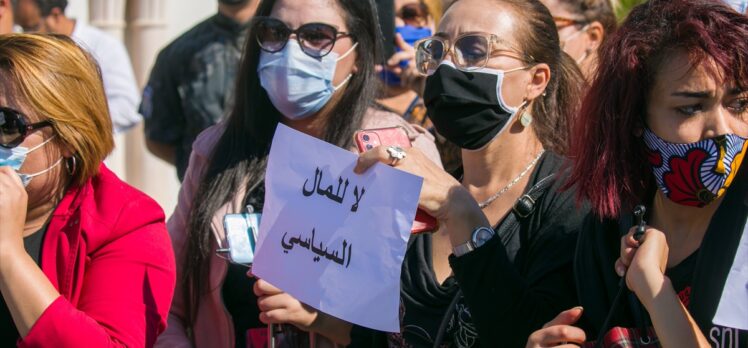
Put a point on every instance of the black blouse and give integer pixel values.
(509, 287)
(8, 332)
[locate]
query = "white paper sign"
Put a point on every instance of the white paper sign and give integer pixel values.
(334, 239)
(733, 306)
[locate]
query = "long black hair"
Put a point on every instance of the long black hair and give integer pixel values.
(240, 156)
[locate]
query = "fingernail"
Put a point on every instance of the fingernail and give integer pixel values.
(580, 308)
(620, 271)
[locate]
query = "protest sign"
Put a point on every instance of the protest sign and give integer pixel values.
(333, 239)
(733, 306)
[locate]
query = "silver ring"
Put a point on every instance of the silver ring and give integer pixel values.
(397, 154)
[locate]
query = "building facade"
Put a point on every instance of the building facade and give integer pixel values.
(145, 26)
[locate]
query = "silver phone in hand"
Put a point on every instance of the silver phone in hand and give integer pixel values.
(241, 236)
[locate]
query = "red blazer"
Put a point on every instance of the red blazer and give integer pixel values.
(107, 251)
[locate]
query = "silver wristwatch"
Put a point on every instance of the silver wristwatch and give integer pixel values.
(480, 236)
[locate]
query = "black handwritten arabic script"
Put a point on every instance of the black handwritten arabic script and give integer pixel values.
(342, 258)
(337, 196)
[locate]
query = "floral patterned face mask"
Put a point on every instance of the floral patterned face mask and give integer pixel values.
(695, 174)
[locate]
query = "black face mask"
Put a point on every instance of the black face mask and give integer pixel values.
(466, 107)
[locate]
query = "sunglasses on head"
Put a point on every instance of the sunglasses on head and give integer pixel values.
(15, 127)
(316, 39)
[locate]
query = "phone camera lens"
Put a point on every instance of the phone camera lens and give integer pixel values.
(366, 137)
(369, 147)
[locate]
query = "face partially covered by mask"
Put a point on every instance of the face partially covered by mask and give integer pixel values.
(15, 157)
(467, 107)
(695, 174)
(299, 85)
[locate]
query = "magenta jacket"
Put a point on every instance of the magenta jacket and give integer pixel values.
(107, 252)
(214, 327)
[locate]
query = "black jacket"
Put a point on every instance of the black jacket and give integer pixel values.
(513, 285)
(510, 287)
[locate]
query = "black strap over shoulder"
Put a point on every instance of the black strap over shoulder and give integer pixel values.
(523, 208)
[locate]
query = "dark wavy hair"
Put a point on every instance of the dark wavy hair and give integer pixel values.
(240, 156)
(610, 167)
(46, 6)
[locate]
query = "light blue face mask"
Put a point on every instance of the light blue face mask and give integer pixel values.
(15, 157)
(299, 85)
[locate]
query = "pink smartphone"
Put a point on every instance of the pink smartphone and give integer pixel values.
(368, 139)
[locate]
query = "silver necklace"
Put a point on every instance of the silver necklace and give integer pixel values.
(512, 183)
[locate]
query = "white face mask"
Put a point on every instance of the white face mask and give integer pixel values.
(15, 157)
(299, 85)
(574, 35)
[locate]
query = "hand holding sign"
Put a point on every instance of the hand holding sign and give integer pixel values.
(331, 238)
(438, 185)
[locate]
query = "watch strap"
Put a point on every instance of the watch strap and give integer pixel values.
(463, 249)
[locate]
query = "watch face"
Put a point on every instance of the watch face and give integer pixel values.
(482, 235)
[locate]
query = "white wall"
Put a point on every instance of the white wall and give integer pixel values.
(142, 170)
(183, 14)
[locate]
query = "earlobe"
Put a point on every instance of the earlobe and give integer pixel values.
(540, 75)
(596, 34)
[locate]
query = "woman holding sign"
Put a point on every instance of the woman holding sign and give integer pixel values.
(329, 47)
(500, 87)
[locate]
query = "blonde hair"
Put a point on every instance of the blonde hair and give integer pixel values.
(60, 82)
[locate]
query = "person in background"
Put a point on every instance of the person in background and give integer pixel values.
(583, 26)
(338, 43)
(191, 84)
(412, 23)
(86, 260)
(6, 16)
(673, 138)
(403, 86)
(48, 16)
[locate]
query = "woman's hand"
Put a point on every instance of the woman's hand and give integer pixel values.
(278, 307)
(13, 204)
(439, 191)
(559, 332)
(643, 262)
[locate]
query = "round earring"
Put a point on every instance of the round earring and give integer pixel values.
(71, 168)
(526, 119)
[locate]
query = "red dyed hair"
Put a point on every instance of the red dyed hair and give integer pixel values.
(609, 162)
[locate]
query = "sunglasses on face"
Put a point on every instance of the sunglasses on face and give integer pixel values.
(15, 127)
(316, 39)
(469, 52)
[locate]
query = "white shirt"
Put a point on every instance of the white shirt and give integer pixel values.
(116, 71)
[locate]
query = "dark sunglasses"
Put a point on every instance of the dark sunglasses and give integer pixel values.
(316, 39)
(14, 127)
